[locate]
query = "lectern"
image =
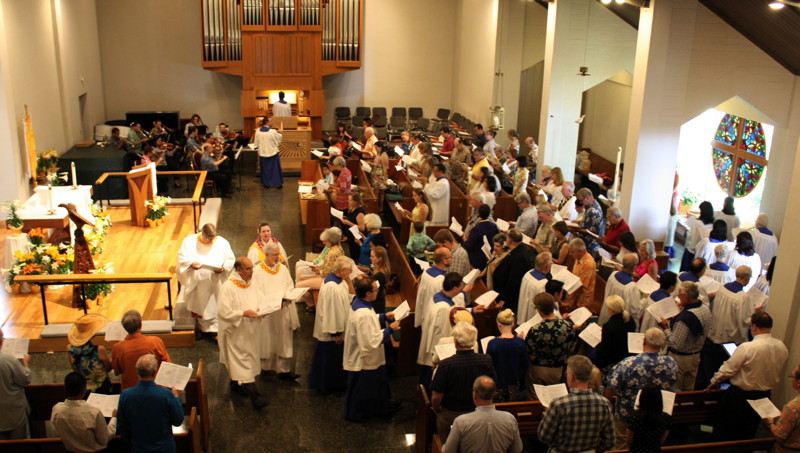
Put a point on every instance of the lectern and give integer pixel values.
(140, 189)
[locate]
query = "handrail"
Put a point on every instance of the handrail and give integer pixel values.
(84, 279)
(196, 195)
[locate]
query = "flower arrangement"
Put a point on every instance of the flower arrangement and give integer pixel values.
(13, 219)
(42, 258)
(96, 236)
(156, 209)
(47, 168)
(97, 291)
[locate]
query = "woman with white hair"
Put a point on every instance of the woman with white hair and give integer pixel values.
(510, 357)
(373, 224)
(647, 260)
(613, 345)
(331, 237)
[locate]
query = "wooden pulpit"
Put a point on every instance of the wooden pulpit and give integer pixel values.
(140, 189)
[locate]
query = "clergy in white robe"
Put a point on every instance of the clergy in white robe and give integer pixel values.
(764, 240)
(438, 192)
(430, 282)
(621, 284)
(368, 392)
(238, 325)
(706, 246)
(719, 270)
(437, 320)
(330, 321)
(277, 327)
(256, 250)
(204, 262)
(533, 283)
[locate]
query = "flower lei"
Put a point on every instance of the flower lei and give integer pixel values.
(240, 284)
(200, 239)
(268, 270)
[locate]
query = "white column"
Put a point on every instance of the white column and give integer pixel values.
(660, 77)
(12, 150)
(562, 88)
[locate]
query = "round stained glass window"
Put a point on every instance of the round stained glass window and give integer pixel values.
(739, 155)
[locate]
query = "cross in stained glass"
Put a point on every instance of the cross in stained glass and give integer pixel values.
(739, 155)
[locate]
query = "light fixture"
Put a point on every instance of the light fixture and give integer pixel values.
(605, 2)
(779, 4)
(776, 5)
(619, 2)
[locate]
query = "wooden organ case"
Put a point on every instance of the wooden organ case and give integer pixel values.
(282, 45)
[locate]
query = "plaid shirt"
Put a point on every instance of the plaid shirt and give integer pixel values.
(577, 422)
(460, 261)
(681, 339)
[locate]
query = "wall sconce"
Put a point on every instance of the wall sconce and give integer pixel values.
(497, 115)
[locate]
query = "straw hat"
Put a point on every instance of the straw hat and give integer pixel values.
(85, 328)
(460, 314)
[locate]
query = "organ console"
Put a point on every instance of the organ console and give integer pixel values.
(282, 45)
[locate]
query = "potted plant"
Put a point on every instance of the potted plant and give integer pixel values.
(156, 210)
(13, 220)
(98, 292)
(687, 201)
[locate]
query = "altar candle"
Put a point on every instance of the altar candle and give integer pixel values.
(74, 177)
(615, 186)
(50, 197)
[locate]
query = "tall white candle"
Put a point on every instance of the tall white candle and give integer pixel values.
(615, 186)
(50, 197)
(74, 175)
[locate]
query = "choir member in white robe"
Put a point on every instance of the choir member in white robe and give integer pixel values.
(256, 250)
(276, 332)
(730, 322)
(438, 193)
(766, 244)
(238, 325)
(533, 283)
(430, 282)
(669, 283)
(333, 309)
(705, 247)
(719, 270)
(368, 392)
(204, 262)
(745, 255)
(437, 320)
(621, 284)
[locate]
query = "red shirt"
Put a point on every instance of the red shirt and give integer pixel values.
(343, 189)
(612, 235)
(449, 144)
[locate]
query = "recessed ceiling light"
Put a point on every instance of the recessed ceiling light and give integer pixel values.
(605, 2)
(619, 2)
(776, 5)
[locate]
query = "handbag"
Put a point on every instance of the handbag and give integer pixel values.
(392, 284)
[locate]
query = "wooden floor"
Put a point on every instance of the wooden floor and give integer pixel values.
(130, 249)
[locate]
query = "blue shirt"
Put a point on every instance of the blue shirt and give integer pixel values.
(207, 163)
(633, 373)
(510, 358)
(366, 248)
(146, 415)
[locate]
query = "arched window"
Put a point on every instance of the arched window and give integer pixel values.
(739, 155)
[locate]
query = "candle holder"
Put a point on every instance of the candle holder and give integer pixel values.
(51, 212)
(74, 187)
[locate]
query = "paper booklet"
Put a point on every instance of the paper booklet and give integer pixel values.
(398, 150)
(547, 393)
(485, 343)
(523, 328)
(106, 403)
(665, 308)
(337, 213)
(171, 375)
(317, 153)
(487, 298)
(424, 265)
(304, 189)
(16, 347)
(502, 225)
(295, 294)
(115, 331)
(764, 408)
(647, 285)
(592, 335)
(355, 232)
(667, 401)
(635, 343)
(456, 227)
(580, 315)
(445, 350)
(402, 311)
(471, 276)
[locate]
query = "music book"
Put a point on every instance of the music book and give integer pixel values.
(526, 326)
(647, 285)
(667, 401)
(502, 225)
(317, 153)
(337, 213)
(456, 227)
(424, 265)
(172, 375)
(366, 167)
(106, 403)
(304, 189)
(764, 408)
(592, 335)
(115, 331)
(635, 343)
(402, 311)
(16, 347)
(547, 393)
(471, 276)
(487, 248)
(665, 308)
(445, 350)
(487, 298)
(295, 294)
(580, 315)
(711, 285)
(757, 297)
(485, 343)
(398, 150)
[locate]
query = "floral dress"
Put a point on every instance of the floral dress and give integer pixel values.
(88, 363)
(378, 174)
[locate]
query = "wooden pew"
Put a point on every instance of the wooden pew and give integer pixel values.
(426, 420)
(505, 207)
(404, 183)
(315, 215)
(691, 408)
(362, 180)
(410, 336)
(459, 204)
(739, 446)
(197, 396)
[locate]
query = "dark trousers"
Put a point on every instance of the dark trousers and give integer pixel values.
(222, 181)
(736, 420)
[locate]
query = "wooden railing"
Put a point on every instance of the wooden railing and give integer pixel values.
(86, 279)
(197, 194)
